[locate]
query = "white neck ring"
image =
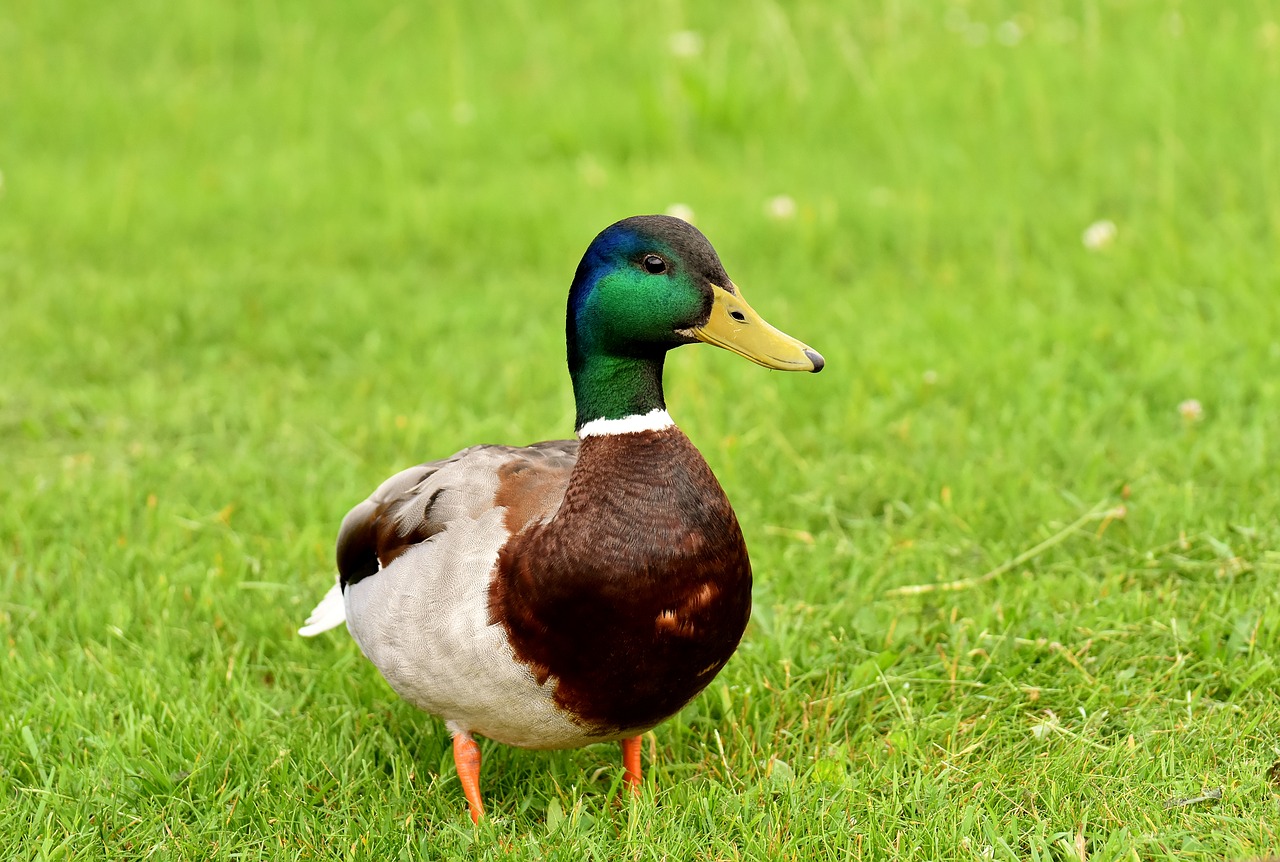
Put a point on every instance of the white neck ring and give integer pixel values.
(655, 420)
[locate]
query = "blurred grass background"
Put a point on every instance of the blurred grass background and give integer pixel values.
(253, 258)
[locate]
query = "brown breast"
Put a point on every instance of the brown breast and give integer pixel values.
(637, 592)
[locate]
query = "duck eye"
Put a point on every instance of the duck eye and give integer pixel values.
(654, 264)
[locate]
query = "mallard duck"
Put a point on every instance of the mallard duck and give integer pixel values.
(575, 591)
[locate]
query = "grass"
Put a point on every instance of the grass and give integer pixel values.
(253, 261)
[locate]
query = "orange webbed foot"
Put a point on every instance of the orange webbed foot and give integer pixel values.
(466, 757)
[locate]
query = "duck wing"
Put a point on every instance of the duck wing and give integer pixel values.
(418, 503)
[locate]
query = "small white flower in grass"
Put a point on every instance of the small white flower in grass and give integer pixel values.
(1045, 726)
(976, 34)
(684, 212)
(1099, 235)
(1009, 33)
(780, 207)
(930, 377)
(1191, 410)
(463, 113)
(685, 43)
(418, 121)
(1063, 30)
(957, 18)
(591, 171)
(880, 196)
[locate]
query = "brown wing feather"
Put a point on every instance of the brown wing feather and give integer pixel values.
(416, 504)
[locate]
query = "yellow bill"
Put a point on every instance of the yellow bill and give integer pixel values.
(734, 325)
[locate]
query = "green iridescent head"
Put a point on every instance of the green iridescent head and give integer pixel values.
(645, 285)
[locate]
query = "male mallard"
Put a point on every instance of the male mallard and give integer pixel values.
(574, 591)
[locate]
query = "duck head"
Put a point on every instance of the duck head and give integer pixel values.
(645, 285)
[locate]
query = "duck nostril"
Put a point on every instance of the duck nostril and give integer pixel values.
(738, 316)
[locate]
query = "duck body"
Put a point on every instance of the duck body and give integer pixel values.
(573, 591)
(520, 596)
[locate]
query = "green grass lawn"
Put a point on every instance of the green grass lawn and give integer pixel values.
(251, 263)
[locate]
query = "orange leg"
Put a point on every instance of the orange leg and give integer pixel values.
(631, 761)
(466, 757)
